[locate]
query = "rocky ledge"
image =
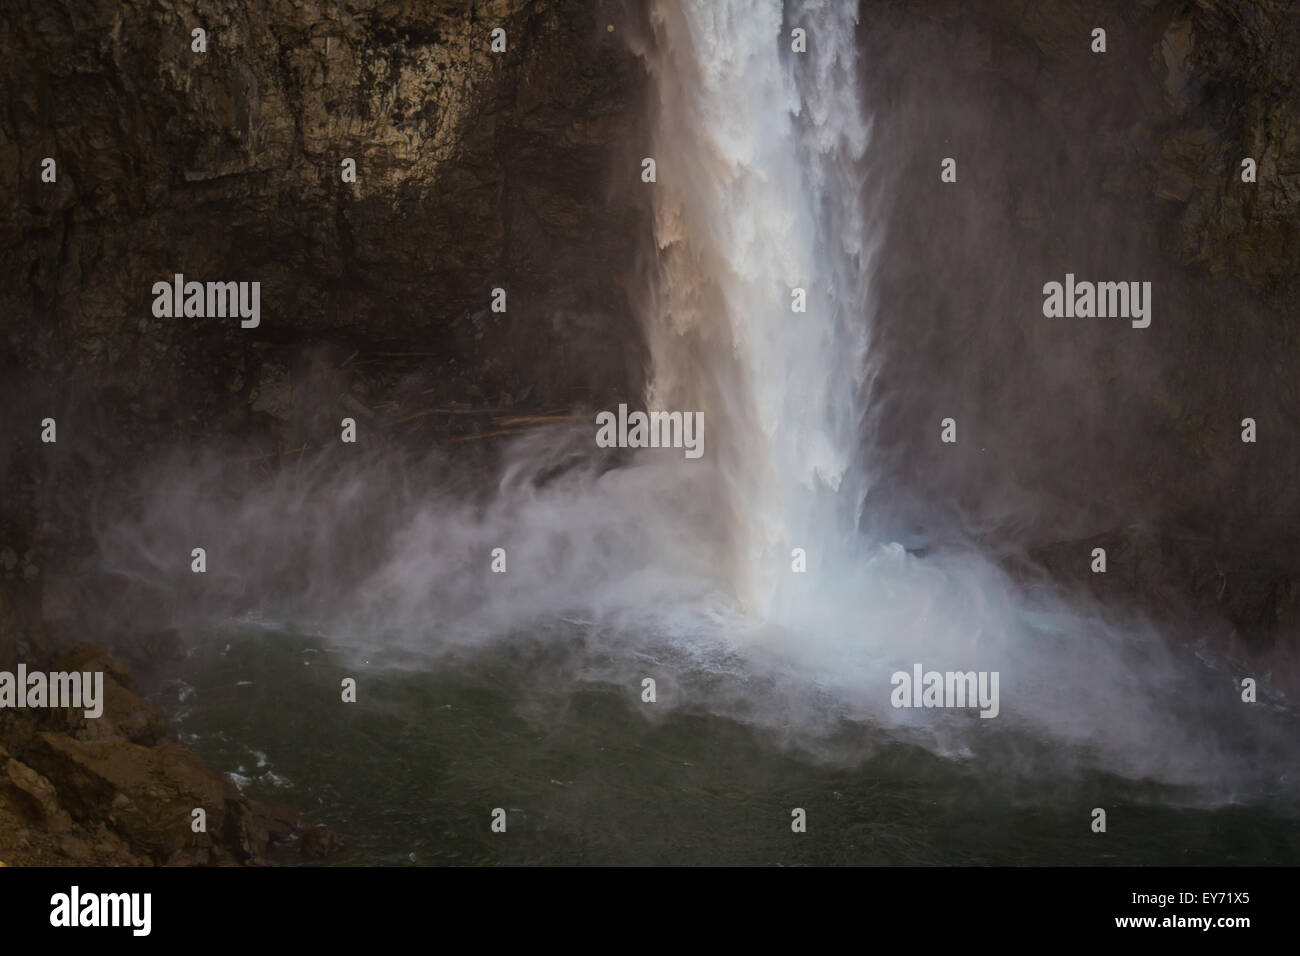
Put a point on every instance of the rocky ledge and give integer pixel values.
(116, 791)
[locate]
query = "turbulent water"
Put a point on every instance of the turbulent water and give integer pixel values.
(411, 772)
(523, 690)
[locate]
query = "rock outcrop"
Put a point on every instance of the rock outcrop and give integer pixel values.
(111, 790)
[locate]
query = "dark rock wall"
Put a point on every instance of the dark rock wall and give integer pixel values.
(1116, 166)
(475, 170)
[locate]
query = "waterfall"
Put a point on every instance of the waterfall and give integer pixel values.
(759, 152)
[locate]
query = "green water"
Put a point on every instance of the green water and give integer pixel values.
(411, 772)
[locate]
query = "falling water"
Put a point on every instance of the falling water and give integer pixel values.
(759, 194)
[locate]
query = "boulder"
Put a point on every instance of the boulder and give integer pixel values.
(33, 795)
(125, 713)
(146, 795)
(320, 842)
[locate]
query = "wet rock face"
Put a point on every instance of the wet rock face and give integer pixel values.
(1123, 165)
(1236, 67)
(474, 170)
